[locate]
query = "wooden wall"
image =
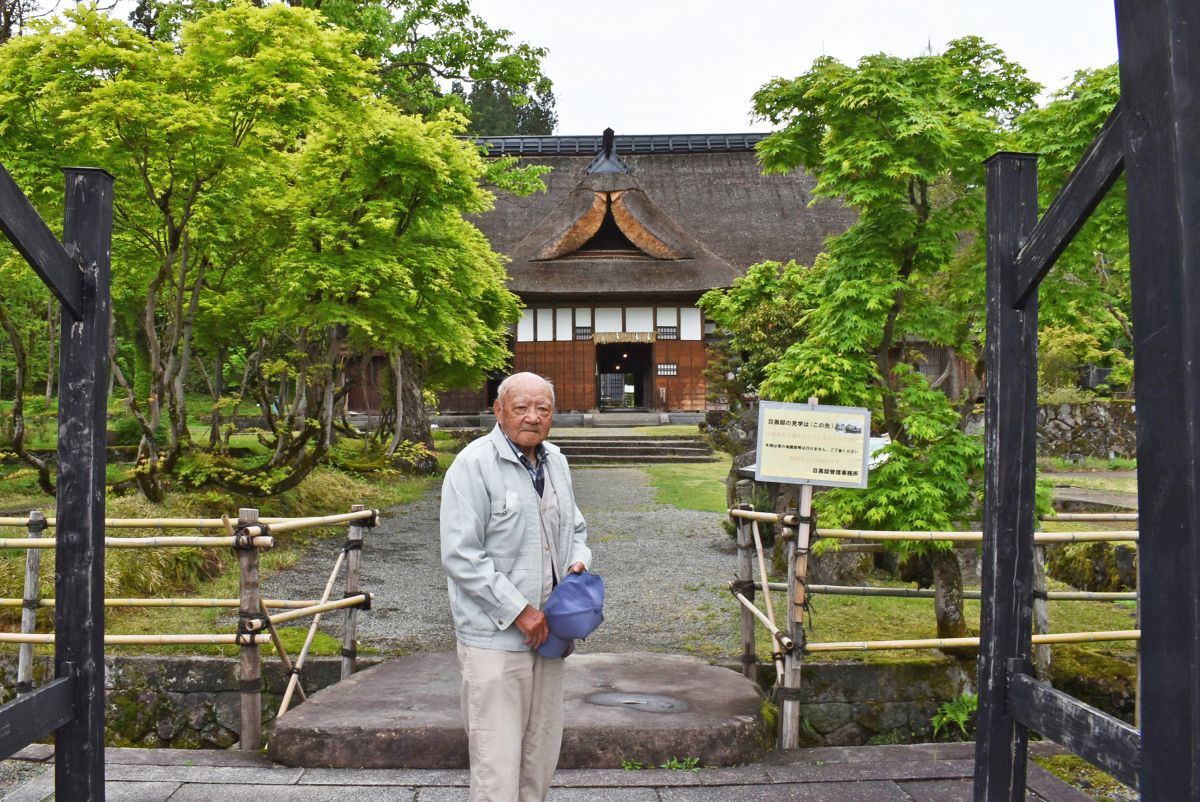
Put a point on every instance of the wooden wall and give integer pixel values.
(569, 364)
(684, 391)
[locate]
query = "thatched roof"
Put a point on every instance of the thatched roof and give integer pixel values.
(691, 213)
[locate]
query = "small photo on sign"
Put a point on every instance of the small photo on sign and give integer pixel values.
(813, 444)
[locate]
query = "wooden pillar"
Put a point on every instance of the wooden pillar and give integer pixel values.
(354, 539)
(250, 606)
(1160, 73)
(79, 554)
(1010, 445)
(30, 601)
(789, 709)
(745, 574)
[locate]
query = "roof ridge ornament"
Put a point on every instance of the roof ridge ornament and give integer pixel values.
(607, 160)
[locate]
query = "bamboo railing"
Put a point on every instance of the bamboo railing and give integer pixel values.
(791, 642)
(247, 536)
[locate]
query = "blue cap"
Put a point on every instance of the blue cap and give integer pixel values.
(574, 610)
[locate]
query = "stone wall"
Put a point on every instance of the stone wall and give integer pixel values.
(1100, 429)
(181, 702)
(848, 704)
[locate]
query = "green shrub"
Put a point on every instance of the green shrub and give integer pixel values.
(959, 711)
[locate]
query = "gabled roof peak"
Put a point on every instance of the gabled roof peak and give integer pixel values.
(607, 160)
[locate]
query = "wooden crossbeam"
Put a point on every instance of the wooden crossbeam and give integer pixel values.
(36, 714)
(1090, 181)
(1095, 736)
(34, 240)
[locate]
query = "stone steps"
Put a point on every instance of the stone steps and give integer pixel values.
(599, 449)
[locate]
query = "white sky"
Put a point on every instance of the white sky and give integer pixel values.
(691, 66)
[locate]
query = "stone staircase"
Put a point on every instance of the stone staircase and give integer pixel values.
(633, 449)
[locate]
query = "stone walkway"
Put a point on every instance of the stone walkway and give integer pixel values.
(920, 773)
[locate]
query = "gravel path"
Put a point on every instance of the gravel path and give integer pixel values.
(664, 568)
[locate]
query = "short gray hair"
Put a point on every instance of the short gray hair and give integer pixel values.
(506, 385)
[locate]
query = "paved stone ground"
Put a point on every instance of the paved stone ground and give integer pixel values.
(665, 572)
(921, 773)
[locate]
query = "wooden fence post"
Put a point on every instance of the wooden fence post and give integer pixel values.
(250, 606)
(354, 541)
(80, 498)
(745, 575)
(789, 707)
(30, 601)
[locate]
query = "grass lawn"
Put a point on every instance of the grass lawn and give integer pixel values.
(691, 486)
(700, 486)
(1098, 481)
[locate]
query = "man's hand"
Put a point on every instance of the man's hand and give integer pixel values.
(532, 623)
(577, 568)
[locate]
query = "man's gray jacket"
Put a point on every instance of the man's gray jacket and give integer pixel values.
(492, 541)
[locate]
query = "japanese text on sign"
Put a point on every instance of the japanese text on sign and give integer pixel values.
(813, 444)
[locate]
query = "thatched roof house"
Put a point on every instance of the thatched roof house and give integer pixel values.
(611, 258)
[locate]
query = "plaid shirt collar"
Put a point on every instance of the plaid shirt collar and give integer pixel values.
(536, 474)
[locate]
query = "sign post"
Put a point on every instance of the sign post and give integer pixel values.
(807, 444)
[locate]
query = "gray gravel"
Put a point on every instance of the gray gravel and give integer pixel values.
(15, 773)
(664, 568)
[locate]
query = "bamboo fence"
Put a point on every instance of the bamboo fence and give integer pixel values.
(210, 523)
(796, 532)
(277, 604)
(250, 535)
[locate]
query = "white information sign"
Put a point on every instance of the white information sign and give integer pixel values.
(812, 444)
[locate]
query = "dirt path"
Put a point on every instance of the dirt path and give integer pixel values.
(665, 571)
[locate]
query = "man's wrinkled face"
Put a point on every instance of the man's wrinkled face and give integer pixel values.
(524, 413)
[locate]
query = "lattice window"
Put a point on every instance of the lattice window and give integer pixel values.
(583, 332)
(668, 332)
(668, 368)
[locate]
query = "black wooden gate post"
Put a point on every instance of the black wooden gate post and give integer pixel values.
(82, 409)
(1160, 76)
(1010, 426)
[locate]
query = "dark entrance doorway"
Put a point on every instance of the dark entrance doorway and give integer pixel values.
(623, 373)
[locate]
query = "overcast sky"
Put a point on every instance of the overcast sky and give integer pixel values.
(691, 66)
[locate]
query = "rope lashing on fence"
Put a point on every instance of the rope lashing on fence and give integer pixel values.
(258, 542)
(950, 643)
(366, 518)
(914, 593)
(149, 640)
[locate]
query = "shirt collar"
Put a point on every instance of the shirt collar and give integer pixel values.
(539, 452)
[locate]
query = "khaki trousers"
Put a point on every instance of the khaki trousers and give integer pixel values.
(512, 707)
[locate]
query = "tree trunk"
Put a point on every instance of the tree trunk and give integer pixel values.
(948, 597)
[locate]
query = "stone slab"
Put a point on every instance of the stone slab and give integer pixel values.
(38, 753)
(231, 775)
(404, 713)
(139, 791)
(415, 777)
(853, 771)
(184, 757)
(297, 793)
(808, 792)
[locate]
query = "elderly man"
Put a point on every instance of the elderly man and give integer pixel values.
(509, 531)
